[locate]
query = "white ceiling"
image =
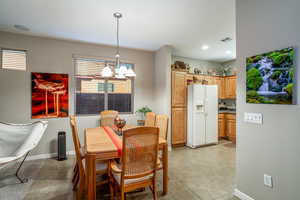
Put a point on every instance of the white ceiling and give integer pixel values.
(146, 24)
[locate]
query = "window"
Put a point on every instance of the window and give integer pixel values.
(101, 87)
(95, 94)
(13, 59)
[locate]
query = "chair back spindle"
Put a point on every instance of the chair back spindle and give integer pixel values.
(162, 122)
(150, 119)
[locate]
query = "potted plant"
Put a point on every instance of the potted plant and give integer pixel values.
(142, 112)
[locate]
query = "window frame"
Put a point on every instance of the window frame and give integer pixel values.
(108, 59)
(13, 49)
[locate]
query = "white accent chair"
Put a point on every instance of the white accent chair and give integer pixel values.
(17, 140)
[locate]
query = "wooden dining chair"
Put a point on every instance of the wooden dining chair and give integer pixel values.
(79, 169)
(107, 117)
(162, 122)
(150, 119)
(138, 162)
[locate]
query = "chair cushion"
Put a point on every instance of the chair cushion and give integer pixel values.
(117, 177)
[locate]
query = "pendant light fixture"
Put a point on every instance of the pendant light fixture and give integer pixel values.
(120, 71)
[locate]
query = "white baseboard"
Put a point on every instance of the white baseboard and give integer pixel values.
(47, 155)
(242, 195)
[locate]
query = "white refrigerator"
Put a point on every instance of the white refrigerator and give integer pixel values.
(202, 118)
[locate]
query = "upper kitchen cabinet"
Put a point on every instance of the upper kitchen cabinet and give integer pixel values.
(219, 81)
(230, 87)
(210, 80)
(179, 88)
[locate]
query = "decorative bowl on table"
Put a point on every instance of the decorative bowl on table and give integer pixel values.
(119, 123)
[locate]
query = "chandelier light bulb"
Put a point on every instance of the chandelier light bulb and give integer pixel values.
(123, 70)
(106, 72)
(130, 73)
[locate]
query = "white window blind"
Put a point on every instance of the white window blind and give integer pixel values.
(13, 59)
(89, 67)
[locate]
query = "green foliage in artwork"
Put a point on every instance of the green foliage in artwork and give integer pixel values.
(289, 89)
(275, 75)
(254, 79)
(291, 73)
(254, 97)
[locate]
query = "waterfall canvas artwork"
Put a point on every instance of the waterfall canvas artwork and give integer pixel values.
(270, 77)
(49, 95)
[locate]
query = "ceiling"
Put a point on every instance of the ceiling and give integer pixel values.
(186, 25)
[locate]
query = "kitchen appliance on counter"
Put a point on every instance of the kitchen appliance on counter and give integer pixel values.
(202, 117)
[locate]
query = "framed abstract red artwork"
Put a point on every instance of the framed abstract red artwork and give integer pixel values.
(49, 95)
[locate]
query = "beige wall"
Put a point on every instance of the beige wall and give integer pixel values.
(273, 147)
(162, 83)
(51, 55)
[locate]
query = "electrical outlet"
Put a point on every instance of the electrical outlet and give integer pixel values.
(268, 180)
(255, 118)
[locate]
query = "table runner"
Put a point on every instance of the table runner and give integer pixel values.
(115, 138)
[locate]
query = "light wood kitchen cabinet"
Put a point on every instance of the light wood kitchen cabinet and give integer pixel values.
(230, 87)
(178, 126)
(189, 77)
(219, 81)
(179, 88)
(221, 126)
(227, 126)
(210, 80)
(231, 127)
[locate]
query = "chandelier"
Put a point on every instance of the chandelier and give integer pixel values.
(120, 70)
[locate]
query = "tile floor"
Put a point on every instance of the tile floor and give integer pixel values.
(206, 173)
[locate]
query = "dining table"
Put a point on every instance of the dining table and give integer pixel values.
(99, 146)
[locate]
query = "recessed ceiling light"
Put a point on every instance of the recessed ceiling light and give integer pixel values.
(204, 47)
(228, 52)
(21, 27)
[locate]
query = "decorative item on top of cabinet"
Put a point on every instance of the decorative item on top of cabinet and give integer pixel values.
(197, 71)
(179, 87)
(179, 65)
(179, 126)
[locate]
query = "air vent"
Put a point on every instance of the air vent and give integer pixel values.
(227, 39)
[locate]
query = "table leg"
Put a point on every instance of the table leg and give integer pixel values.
(91, 177)
(165, 169)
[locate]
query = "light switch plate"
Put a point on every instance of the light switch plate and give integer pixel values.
(268, 180)
(256, 118)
